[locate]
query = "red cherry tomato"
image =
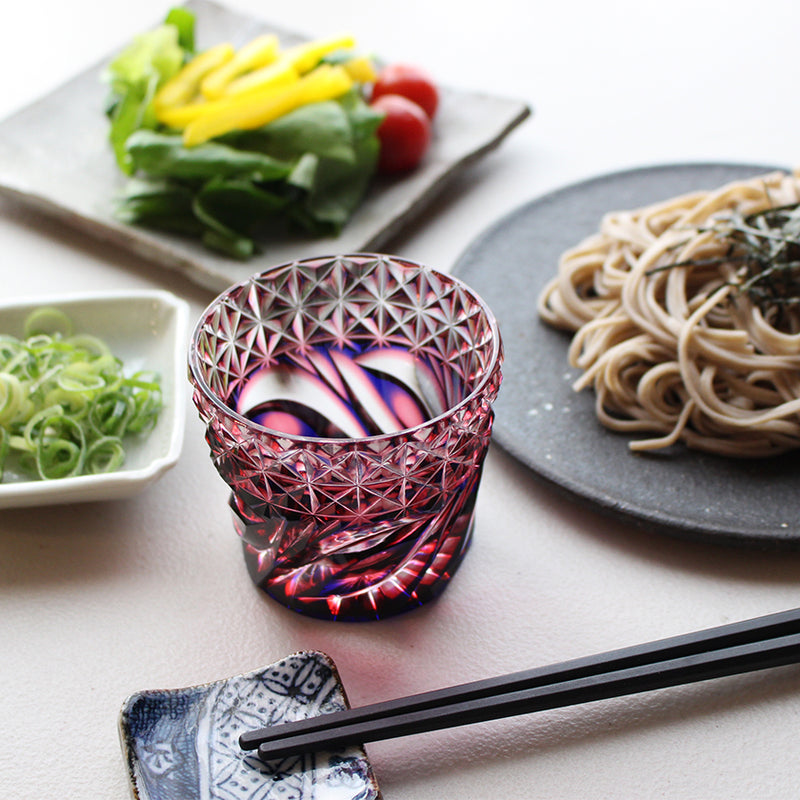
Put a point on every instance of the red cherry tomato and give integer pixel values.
(408, 81)
(404, 133)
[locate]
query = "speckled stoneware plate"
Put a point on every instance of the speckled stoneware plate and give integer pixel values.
(182, 744)
(55, 157)
(147, 330)
(553, 430)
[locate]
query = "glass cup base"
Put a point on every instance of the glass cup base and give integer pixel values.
(373, 593)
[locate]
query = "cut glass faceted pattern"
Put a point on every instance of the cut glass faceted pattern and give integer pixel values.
(348, 406)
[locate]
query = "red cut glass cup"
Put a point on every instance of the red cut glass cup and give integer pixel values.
(348, 406)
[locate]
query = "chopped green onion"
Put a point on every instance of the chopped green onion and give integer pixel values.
(80, 377)
(11, 396)
(104, 455)
(4, 447)
(66, 405)
(110, 413)
(30, 433)
(49, 321)
(91, 344)
(60, 447)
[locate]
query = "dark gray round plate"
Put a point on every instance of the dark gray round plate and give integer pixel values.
(553, 430)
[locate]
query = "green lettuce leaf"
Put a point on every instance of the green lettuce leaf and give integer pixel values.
(334, 147)
(183, 20)
(339, 186)
(165, 205)
(135, 76)
(322, 129)
(164, 155)
(233, 210)
(310, 169)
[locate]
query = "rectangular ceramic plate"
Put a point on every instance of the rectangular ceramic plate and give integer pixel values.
(147, 330)
(55, 156)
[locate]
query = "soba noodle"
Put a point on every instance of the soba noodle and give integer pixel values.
(675, 349)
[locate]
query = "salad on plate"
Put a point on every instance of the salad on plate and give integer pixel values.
(235, 145)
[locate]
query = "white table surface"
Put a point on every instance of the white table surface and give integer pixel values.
(100, 600)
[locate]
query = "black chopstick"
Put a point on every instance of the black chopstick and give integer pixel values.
(755, 631)
(645, 677)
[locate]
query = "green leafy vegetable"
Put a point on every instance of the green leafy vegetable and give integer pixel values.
(65, 403)
(160, 204)
(163, 155)
(183, 20)
(334, 150)
(233, 212)
(137, 73)
(307, 170)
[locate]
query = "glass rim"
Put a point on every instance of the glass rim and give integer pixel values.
(200, 382)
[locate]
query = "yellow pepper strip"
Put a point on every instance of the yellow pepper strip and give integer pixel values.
(295, 60)
(252, 110)
(180, 116)
(305, 57)
(361, 69)
(278, 73)
(261, 51)
(183, 86)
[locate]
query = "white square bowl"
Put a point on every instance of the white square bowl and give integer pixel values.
(146, 330)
